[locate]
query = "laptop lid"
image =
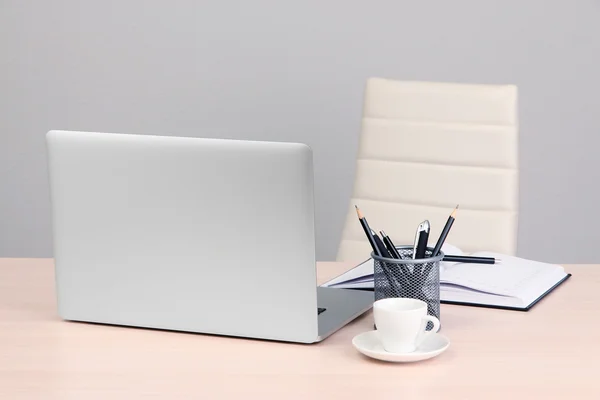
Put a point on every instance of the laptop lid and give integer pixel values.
(190, 234)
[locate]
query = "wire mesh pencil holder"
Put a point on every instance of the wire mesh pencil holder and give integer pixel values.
(409, 278)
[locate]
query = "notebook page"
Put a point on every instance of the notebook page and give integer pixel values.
(363, 269)
(355, 285)
(449, 249)
(511, 277)
(474, 297)
(542, 285)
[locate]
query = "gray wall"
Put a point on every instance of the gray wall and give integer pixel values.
(295, 71)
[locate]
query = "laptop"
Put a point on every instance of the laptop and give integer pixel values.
(190, 234)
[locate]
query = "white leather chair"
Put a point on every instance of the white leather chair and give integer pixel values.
(426, 147)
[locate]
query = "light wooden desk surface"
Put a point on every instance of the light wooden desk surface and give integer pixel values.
(550, 352)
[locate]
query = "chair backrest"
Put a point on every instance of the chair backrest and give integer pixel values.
(426, 147)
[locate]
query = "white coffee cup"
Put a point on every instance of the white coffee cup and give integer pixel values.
(401, 323)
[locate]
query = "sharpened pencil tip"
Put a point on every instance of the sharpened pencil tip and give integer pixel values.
(454, 212)
(360, 216)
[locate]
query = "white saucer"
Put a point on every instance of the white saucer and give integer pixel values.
(368, 344)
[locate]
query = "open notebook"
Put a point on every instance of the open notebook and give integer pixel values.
(513, 283)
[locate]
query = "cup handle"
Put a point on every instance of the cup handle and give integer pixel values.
(424, 332)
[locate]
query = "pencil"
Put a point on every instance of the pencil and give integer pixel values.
(367, 229)
(444, 234)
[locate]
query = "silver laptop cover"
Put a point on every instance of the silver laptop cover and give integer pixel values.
(189, 234)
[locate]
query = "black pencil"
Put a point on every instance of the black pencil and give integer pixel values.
(367, 229)
(444, 234)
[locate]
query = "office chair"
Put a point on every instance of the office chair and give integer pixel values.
(426, 147)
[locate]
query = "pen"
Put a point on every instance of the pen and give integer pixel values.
(392, 249)
(390, 245)
(384, 252)
(421, 238)
(394, 286)
(444, 234)
(471, 259)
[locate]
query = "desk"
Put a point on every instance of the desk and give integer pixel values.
(550, 352)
